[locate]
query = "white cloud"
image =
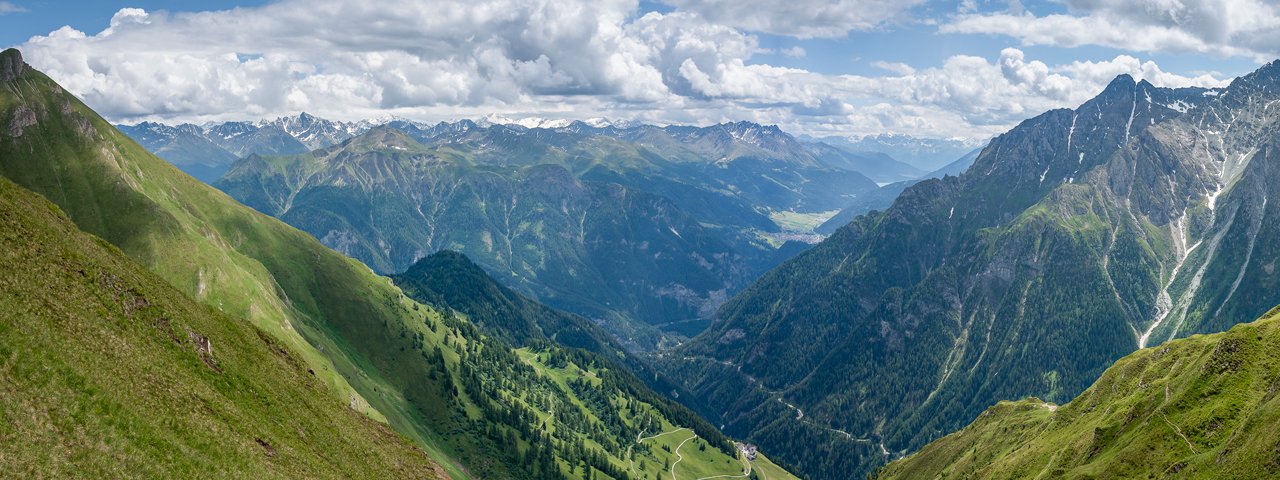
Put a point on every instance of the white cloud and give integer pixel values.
(1219, 27)
(794, 52)
(1102, 72)
(10, 7)
(423, 53)
(973, 97)
(895, 67)
(799, 18)
(451, 59)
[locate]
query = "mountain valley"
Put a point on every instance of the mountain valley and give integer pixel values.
(673, 240)
(494, 400)
(1073, 240)
(547, 210)
(1044, 222)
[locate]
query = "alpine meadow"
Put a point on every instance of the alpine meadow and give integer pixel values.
(640, 240)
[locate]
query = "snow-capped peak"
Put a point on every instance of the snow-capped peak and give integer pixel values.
(527, 122)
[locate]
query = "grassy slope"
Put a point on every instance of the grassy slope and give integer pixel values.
(349, 325)
(100, 378)
(1200, 407)
(765, 469)
(111, 187)
(369, 344)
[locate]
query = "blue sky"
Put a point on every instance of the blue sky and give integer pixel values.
(966, 68)
(39, 17)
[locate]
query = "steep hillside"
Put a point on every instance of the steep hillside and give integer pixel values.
(473, 402)
(1201, 407)
(107, 371)
(1073, 240)
(343, 320)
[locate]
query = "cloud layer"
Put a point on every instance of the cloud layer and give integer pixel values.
(799, 18)
(1217, 27)
(450, 59)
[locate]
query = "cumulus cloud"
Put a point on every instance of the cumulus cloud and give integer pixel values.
(450, 59)
(293, 54)
(1218, 27)
(799, 18)
(974, 97)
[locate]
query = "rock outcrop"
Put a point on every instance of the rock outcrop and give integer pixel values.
(11, 65)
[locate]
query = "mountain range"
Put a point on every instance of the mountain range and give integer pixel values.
(644, 229)
(168, 330)
(1074, 239)
(207, 151)
(544, 298)
(719, 205)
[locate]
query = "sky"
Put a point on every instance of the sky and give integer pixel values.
(942, 69)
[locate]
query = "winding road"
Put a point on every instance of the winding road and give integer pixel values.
(746, 465)
(680, 456)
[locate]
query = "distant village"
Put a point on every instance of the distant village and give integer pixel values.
(748, 450)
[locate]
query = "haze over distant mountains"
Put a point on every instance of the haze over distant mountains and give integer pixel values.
(884, 196)
(203, 150)
(704, 209)
(925, 154)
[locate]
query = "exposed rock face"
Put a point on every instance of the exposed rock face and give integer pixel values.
(23, 117)
(11, 65)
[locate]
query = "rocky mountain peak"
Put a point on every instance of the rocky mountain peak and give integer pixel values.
(751, 133)
(1121, 86)
(1121, 80)
(1265, 80)
(11, 65)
